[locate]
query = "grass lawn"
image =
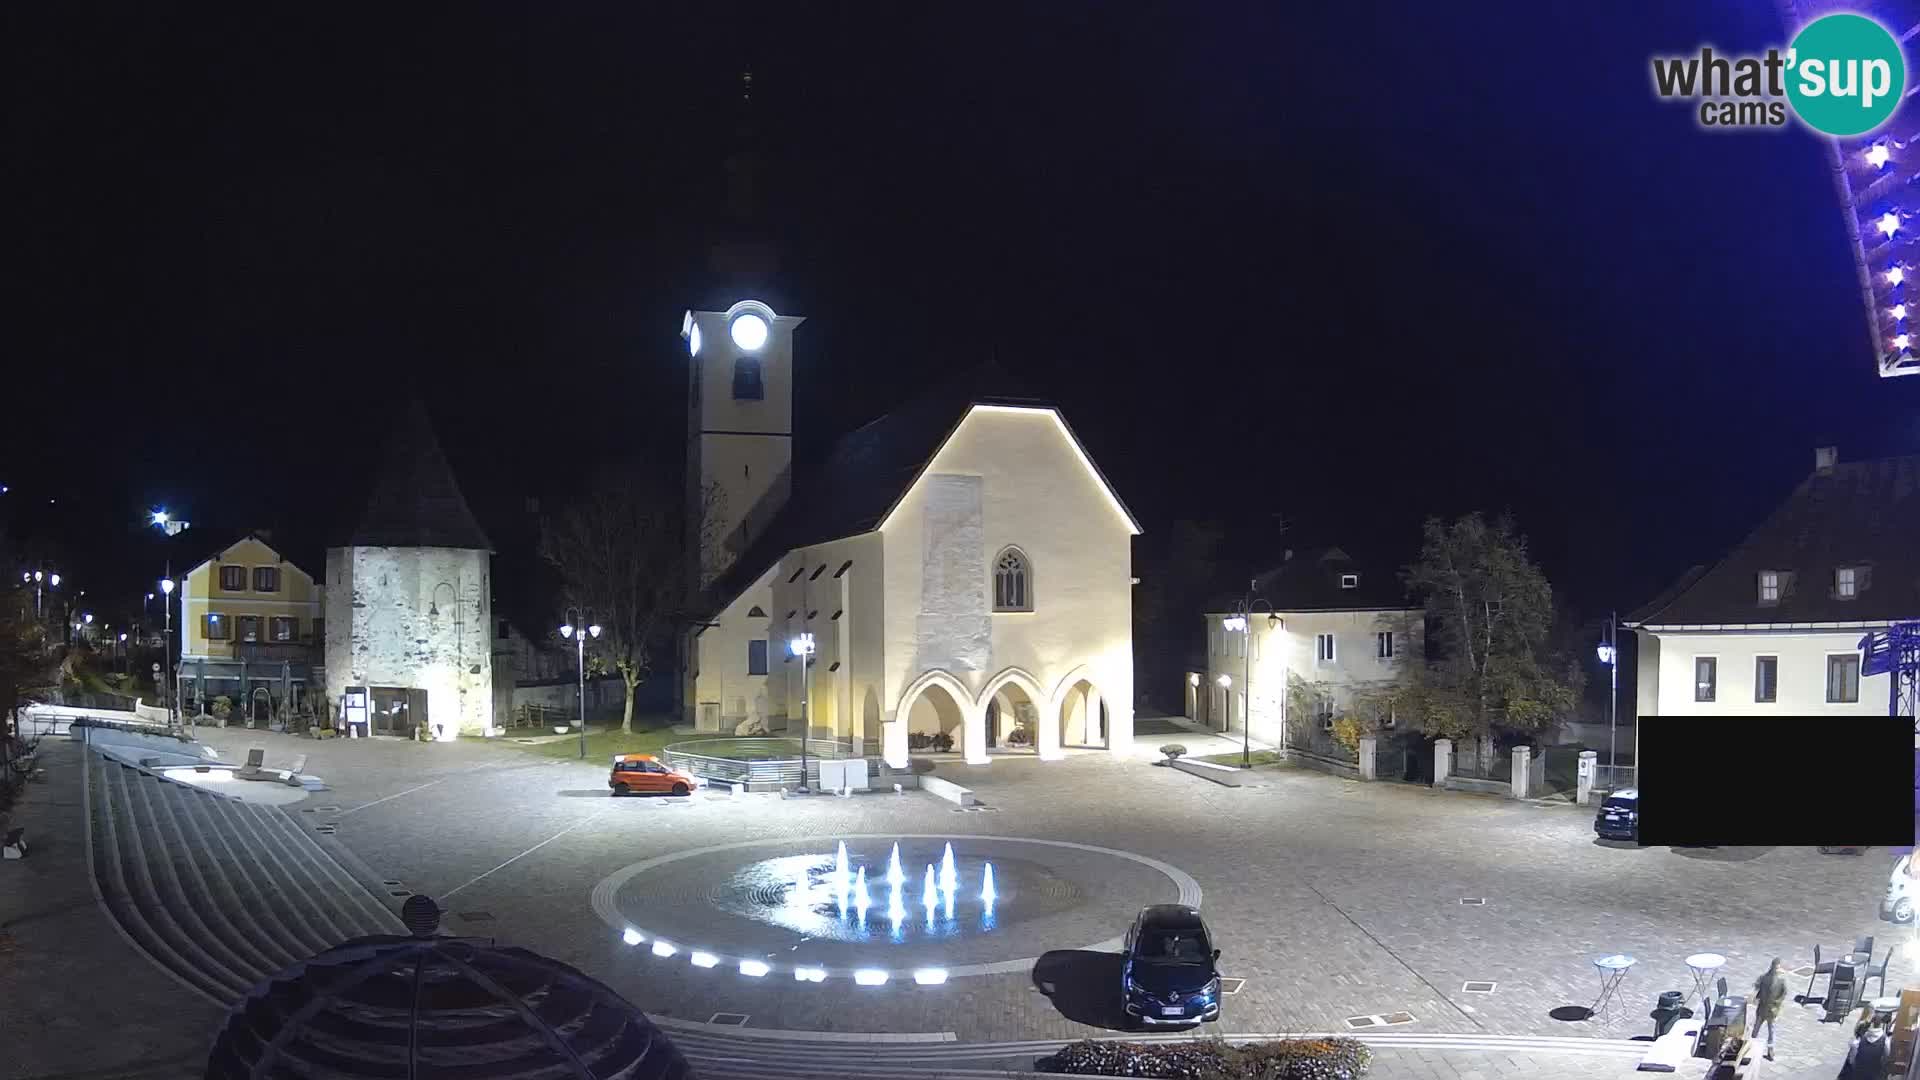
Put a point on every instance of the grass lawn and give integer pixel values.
(602, 745)
(1260, 757)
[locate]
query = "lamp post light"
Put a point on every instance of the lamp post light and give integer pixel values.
(579, 635)
(1609, 652)
(1240, 620)
(803, 648)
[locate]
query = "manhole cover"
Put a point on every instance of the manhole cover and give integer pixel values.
(1231, 986)
(1363, 1021)
(1474, 901)
(1477, 987)
(730, 1019)
(476, 916)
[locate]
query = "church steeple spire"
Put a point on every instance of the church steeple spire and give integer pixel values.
(743, 253)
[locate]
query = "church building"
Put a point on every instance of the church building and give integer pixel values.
(956, 574)
(409, 599)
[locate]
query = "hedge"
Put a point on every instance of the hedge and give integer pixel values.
(1280, 1059)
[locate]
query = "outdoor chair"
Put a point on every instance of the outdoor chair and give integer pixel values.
(1880, 973)
(1864, 946)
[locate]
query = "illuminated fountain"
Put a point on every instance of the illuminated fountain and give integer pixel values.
(986, 889)
(895, 876)
(860, 899)
(929, 897)
(896, 909)
(840, 878)
(949, 877)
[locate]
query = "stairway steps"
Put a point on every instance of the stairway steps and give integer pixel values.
(294, 912)
(165, 854)
(207, 871)
(134, 909)
(256, 908)
(295, 878)
(358, 908)
(298, 860)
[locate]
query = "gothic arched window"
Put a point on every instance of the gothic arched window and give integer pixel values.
(1012, 581)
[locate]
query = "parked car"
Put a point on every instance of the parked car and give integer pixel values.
(1619, 816)
(1901, 885)
(1170, 976)
(635, 773)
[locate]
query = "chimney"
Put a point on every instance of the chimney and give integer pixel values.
(1824, 458)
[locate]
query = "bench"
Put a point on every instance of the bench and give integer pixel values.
(947, 790)
(1673, 1048)
(15, 846)
(1224, 775)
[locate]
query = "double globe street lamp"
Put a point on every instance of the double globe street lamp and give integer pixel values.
(803, 648)
(573, 630)
(1240, 620)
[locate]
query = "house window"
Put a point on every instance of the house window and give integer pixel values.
(215, 627)
(249, 627)
(746, 379)
(1843, 679)
(1384, 715)
(1706, 677)
(233, 579)
(1324, 710)
(1766, 678)
(1383, 644)
(1846, 583)
(1769, 586)
(266, 579)
(756, 612)
(284, 628)
(1349, 581)
(1323, 648)
(1012, 582)
(757, 657)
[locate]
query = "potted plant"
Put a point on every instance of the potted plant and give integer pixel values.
(222, 709)
(1174, 752)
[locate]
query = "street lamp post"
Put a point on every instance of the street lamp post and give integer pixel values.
(1610, 655)
(166, 669)
(579, 635)
(1241, 620)
(803, 648)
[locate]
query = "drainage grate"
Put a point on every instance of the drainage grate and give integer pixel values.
(307, 810)
(324, 830)
(329, 809)
(976, 809)
(1474, 901)
(1397, 1018)
(1231, 986)
(1477, 987)
(476, 916)
(729, 1019)
(1389, 1020)
(1362, 1021)
(399, 892)
(389, 883)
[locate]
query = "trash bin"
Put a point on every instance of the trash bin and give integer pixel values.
(1669, 1011)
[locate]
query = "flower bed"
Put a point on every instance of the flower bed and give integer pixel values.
(1279, 1059)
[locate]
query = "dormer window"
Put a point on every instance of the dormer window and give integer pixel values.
(1349, 581)
(1769, 586)
(1846, 582)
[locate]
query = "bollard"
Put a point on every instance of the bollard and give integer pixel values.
(1587, 774)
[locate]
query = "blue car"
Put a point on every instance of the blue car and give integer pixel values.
(1619, 816)
(1169, 976)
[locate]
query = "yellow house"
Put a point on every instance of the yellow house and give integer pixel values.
(251, 630)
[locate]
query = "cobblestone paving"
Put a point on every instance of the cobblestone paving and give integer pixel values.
(1332, 898)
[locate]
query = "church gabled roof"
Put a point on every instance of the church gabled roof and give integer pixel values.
(870, 470)
(416, 501)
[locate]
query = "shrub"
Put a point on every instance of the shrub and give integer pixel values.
(937, 741)
(1174, 751)
(222, 707)
(1279, 1059)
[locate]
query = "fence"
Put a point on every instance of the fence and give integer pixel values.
(1612, 777)
(753, 761)
(1468, 764)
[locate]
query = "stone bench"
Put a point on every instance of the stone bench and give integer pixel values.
(947, 790)
(1224, 775)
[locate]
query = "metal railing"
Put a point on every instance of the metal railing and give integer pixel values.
(773, 761)
(1612, 777)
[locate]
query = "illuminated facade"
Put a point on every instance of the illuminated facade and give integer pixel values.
(250, 631)
(1876, 177)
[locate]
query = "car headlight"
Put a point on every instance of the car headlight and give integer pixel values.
(1212, 989)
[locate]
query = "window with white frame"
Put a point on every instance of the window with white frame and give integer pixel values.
(1843, 679)
(1706, 678)
(1349, 581)
(1769, 586)
(1846, 583)
(1383, 644)
(1012, 581)
(1766, 678)
(1323, 648)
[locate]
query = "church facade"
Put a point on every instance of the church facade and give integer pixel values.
(954, 575)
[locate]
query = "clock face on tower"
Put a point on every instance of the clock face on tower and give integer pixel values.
(749, 331)
(693, 340)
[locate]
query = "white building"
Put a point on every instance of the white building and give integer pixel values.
(1775, 626)
(408, 598)
(960, 565)
(1338, 629)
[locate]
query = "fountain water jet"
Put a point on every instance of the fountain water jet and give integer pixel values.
(986, 887)
(895, 876)
(896, 910)
(860, 899)
(949, 877)
(929, 897)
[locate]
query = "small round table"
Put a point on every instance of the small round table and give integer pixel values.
(1704, 965)
(1613, 970)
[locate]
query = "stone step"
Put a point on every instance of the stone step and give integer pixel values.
(216, 871)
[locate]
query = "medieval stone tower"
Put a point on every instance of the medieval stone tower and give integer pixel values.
(408, 598)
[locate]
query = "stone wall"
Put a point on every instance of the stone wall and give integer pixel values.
(414, 617)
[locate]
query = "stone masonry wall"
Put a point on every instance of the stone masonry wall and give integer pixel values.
(414, 617)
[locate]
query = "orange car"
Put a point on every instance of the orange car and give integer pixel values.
(642, 772)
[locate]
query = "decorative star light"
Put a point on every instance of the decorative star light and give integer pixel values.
(1898, 311)
(1889, 223)
(1900, 341)
(1895, 276)
(1877, 155)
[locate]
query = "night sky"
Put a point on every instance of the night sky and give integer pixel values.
(1351, 266)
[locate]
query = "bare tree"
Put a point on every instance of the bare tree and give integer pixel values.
(622, 553)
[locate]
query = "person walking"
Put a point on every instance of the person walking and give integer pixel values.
(1769, 995)
(1867, 1057)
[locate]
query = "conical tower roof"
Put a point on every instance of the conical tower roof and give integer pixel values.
(416, 502)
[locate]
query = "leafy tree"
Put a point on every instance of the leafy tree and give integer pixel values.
(622, 553)
(1489, 611)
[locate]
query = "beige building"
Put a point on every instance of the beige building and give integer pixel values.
(250, 631)
(962, 569)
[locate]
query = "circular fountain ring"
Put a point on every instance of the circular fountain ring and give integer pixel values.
(605, 894)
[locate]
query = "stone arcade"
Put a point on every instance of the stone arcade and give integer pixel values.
(408, 597)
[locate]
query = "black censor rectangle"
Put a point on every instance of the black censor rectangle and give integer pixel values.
(1769, 781)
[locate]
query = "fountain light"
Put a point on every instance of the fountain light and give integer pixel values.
(806, 974)
(870, 977)
(894, 874)
(840, 876)
(661, 948)
(986, 887)
(704, 959)
(949, 876)
(895, 909)
(754, 968)
(631, 936)
(860, 899)
(929, 897)
(930, 976)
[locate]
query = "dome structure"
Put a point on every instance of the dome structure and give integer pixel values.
(418, 1007)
